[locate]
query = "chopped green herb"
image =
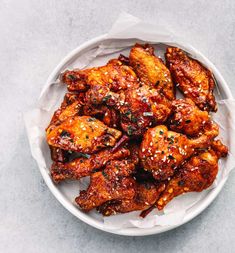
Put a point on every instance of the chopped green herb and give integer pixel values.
(72, 77)
(171, 157)
(187, 121)
(65, 133)
(104, 174)
(161, 132)
(181, 183)
(134, 119)
(106, 98)
(91, 119)
(87, 137)
(130, 130)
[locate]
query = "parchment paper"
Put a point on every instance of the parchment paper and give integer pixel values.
(125, 32)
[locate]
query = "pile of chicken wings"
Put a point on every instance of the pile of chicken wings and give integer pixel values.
(121, 125)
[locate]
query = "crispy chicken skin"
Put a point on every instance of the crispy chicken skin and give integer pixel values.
(163, 151)
(151, 70)
(108, 115)
(71, 106)
(113, 183)
(114, 75)
(84, 166)
(82, 134)
(196, 175)
(146, 195)
(192, 78)
(186, 118)
(140, 108)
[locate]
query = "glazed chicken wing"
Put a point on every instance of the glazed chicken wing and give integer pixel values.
(114, 75)
(71, 106)
(82, 134)
(113, 183)
(142, 107)
(162, 151)
(85, 164)
(146, 195)
(196, 175)
(193, 79)
(186, 118)
(151, 70)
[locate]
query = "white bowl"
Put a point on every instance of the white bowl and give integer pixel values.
(192, 212)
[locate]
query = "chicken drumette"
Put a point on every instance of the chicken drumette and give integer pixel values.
(113, 183)
(146, 195)
(186, 118)
(193, 79)
(84, 164)
(140, 108)
(82, 134)
(163, 151)
(151, 70)
(197, 174)
(115, 76)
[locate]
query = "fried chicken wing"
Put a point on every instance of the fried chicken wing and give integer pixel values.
(193, 79)
(196, 175)
(146, 195)
(163, 151)
(113, 183)
(71, 106)
(84, 166)
(82, 134)
(151, 70)
(115, 75)
(186, 118)
(140, 108)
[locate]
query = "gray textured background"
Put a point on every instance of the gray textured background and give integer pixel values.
(34, 36)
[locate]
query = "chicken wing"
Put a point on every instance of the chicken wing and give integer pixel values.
(151, 70)
(71, 106)
(146, 195)
(113, 183)
(82, 134)
(163, 151)
(186, 118)
(196, 175)
(193, 79)
(84, 165)
(140, 108)
(114, 75)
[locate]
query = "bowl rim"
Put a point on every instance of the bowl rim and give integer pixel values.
(204, 203)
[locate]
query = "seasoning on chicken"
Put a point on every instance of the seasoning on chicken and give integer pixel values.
(84, 165)
(163, 151)
(108, 115)
(82, 134)
(192, 78)
(114, 75)
(71, 106)
(151, 70)
(146, 195)
(187, 119)
(113, 183)
(141, 108)
(196, 175)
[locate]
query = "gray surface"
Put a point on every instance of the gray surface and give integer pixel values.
(35, 36)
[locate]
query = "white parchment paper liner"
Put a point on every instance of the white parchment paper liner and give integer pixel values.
(125, 32)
